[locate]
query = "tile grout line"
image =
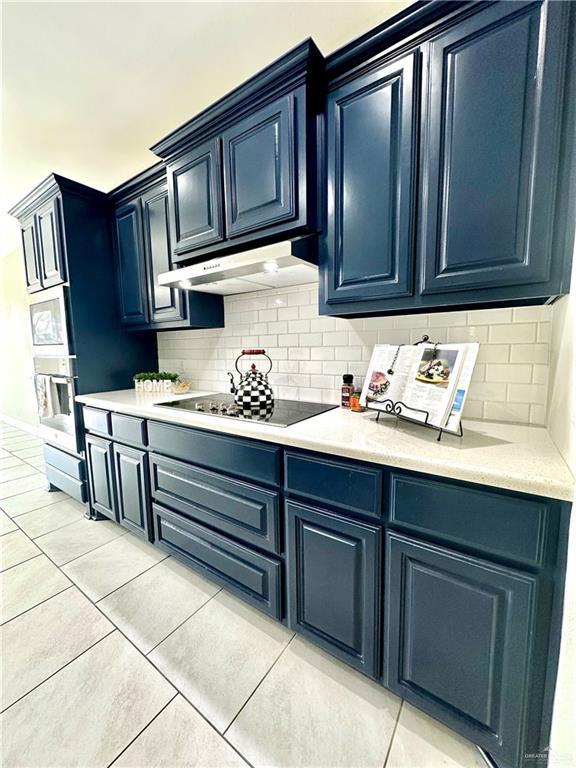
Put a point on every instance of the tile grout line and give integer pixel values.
(159, 671)
(156, 716)
(182, 622)
(10, 567)
(393, 734)
(133, 578)
(124, 533)
(41, 602)
(70, 661)
(270, 668)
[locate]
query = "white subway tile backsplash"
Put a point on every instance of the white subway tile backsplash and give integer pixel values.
(311, 353)
(527, 393)
(530, 353)
(522, 333)
(509, 373)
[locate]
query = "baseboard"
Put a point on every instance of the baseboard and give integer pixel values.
(23, 425)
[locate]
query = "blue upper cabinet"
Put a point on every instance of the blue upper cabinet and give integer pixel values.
(195, 192)
(243, 172)
(131, 268)
(165, 302)
(43, 242)
(50, 243)
(371, 156)
(259, 169)
(30, 251)
(482, 108)
(489, 149)
(143, 251)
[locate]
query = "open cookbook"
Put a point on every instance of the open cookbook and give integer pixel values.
(430, 381)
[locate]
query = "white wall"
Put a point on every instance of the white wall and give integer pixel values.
(310, 353)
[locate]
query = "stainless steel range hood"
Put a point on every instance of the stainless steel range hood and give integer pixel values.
(272, 266)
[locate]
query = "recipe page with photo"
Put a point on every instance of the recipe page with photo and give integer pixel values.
(388, 372)
(432, 381)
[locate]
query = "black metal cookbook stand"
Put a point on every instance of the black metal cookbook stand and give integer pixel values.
(398, 409)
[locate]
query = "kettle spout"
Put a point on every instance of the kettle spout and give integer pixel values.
(232, 384)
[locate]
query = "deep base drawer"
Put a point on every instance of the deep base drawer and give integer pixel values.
(71, 465)
(254, 577)
(66, 483)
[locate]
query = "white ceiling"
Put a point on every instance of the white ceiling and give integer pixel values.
(89, 86)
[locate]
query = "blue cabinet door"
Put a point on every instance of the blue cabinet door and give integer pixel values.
(458, 641)
(368, 248)
(133, 500)
(30, 250)
(100, 464)
(131, 265)
(259, 169)
(333, 583)
(165, 302)
(490, 131)
(195, 196)
(50, 243)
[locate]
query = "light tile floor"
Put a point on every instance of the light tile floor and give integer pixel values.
(114, 654)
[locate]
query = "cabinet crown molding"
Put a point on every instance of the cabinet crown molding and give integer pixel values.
(300, 65)
(48, 188)
(138, 184)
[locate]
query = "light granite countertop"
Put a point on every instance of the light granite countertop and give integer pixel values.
(516, 457)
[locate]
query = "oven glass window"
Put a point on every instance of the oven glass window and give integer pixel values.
(55, 400)
(47, 326)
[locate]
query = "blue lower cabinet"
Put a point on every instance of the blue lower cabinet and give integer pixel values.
(241, 510)
(254, 577)
(100, 464)
(132, 495)
(333, 583)
(459, 634)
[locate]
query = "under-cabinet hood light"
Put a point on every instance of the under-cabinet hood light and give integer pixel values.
(272, 266)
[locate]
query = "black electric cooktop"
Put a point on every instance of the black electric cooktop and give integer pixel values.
(282, 414)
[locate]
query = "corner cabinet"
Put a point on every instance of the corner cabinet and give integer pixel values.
(482, 105)
(459, 640)
(143, 251)
(243, 172)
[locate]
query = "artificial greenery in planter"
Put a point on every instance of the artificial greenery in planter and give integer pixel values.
(161, 381)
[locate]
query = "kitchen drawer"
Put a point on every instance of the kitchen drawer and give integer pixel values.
(70, 465)
(256, 578)
(70, 485)
(354, 487)
(129, 429)
(96, 420)
(515, 527)
(245, 458)
(236, 508)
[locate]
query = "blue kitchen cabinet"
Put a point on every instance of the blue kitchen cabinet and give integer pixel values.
(131, 479)
(459, 640)
(100, 464)
(143, 251)
(490, 125)
(165, 303)
(195, 192)
(371, 144)
(131, 265)
(483, 105)
(43, 245)
(333, 583)
(243, 173)
(30, 251)
(48, 226)
(260, 170)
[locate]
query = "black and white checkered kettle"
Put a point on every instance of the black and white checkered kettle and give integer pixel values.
(253, 395)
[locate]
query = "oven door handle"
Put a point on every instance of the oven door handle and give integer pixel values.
(61, 379)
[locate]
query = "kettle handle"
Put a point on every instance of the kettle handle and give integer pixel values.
(253, 352)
